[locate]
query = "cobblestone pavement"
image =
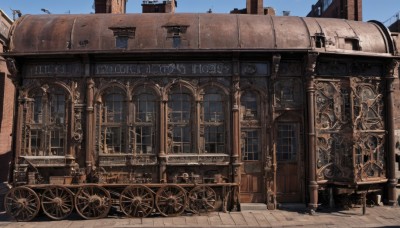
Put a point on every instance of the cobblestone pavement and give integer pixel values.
(379, 216)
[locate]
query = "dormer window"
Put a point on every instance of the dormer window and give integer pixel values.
(123, 35)
(176, 33)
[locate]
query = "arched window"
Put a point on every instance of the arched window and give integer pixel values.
(46, 122)
(251, 126)
(145, 122)
(214, 122)
(113, 122)
(179, 124)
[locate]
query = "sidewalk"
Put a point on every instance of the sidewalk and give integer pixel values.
(378, 216)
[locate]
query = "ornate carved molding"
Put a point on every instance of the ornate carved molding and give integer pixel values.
(276, 60)
(311, 63)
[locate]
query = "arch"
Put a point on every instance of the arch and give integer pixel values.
(41, 86)
(156, 89)
(218, 85)
(262, 95)
(182, 84)
(103, 90)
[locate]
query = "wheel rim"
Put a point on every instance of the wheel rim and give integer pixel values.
(171, 200)
(22, 203)
(92, 202)
(137, 201)
(202, 199)
(57, 202)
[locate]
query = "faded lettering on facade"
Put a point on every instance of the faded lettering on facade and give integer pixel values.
(162, 69)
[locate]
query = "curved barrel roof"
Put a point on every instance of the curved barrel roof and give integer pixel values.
(96, 33)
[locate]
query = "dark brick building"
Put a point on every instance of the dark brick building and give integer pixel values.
(346, 9)
(6, 105)
(254, 7)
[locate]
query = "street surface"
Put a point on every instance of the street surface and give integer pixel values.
(289, 216)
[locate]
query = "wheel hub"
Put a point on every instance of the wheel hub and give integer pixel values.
(137, 201)
(58, 201)
(96, 201)
(22, 203)
(171, 201)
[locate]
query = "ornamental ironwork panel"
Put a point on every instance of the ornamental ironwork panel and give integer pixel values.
(350, 125)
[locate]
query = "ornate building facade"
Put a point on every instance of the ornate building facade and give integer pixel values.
(285, 107)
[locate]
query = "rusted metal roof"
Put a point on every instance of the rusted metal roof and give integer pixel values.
(99, 33)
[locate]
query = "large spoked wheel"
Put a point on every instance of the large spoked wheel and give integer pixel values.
(92, 202)
(171, 200)
(57, 202)
(202, 199)
(137, 201)
(22, 203)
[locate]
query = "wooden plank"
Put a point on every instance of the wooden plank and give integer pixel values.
(226, 219)
(261, 219)
(238, 218)
(250, 219)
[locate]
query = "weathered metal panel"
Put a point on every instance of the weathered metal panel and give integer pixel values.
(169, 32)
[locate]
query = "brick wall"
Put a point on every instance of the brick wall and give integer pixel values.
(7, 91)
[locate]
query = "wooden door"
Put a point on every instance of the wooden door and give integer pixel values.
(252, 170)
(288, 184)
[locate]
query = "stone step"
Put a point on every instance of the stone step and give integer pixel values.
(253, 207)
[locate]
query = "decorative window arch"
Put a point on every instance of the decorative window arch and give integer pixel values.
(250, 119)
(145, 121)
(46, 122)
(180, 116)
(213, 120)
(112, 121)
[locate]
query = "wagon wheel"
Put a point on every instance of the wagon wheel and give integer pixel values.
(171, 200)
(202, 199)
(22, 203)
(137, 201)
(57, 202)
(92, 202)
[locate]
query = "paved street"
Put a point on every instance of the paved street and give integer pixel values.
(291, 216)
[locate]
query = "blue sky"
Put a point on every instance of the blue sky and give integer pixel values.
(380, 10)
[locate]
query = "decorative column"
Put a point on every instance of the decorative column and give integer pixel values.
(236, 136)
(391, 144)
(163, 134)
(89, 123)
(312, 164)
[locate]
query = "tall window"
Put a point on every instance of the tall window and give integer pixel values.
(214, 122)
(113, 122)
(180, 106)
(145, 119)
(46, 123)
(286, 142)
(250, 125)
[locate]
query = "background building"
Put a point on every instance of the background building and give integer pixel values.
(7, 92)
(346, 9)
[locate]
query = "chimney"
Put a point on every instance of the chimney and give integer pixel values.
(110, 6)
(154, 6)
(255, 7)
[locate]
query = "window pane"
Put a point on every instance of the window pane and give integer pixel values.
(114, 111)
(114, 140)
(144, 140)
(179, 121)
(250, 146)
(145, 108)
(248, 103)
(214, 139)
(213, 108)
(286, 142)
(37, 109)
